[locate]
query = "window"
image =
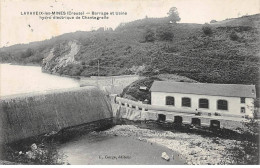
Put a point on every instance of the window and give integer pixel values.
(242, 100)
(170, 100)
(186, 102)
(222, 105)
(243, 110)
(203, 103)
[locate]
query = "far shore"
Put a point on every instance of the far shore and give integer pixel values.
(28, 64)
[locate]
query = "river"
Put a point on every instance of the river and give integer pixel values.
(16, 79)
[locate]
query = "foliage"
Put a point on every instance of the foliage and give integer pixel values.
(165, 33)
(207, 30)
(43, 154)
(246, 151)
(27, 53)
(149, 35)
(133, 90)
(173, 15)
(233, 36)
(213, 21)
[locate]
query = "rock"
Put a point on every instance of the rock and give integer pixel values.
(30, 155)
(193, 152)
(189, 163)
(51, 133)
(33, 147)
(165, 156)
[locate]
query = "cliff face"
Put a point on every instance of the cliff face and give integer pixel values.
(60, 57)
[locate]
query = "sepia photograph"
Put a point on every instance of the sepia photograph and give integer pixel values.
(129, 82)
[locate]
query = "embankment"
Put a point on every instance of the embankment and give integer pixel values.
(27, 115)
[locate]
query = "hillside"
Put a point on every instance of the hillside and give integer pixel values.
(223, 52)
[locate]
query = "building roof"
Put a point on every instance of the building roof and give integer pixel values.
(228, 90)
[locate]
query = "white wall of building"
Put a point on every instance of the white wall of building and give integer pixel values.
(234, 105)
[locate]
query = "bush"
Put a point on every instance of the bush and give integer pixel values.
(246, 151)
(233, 36)
(42, 154)
(149, 35)
(213, 21)
(133, 90)
(207, 30)
(27, 53)
(165, 33)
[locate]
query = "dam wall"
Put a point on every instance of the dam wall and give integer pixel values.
(27, 115)
(109, 84)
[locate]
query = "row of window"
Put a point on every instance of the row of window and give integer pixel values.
(203, 103)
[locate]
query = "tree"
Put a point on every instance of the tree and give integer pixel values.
(27, 53)
(165, 33)
(233, 36)
(101, 29)
(207, 30)
(149, 35)
(213, 21)
(174, 15)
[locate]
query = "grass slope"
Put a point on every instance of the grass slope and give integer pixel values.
(230, 54)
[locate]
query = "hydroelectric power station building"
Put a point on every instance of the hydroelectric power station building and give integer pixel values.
(222, 99)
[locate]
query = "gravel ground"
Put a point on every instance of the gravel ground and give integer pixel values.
(195, 149)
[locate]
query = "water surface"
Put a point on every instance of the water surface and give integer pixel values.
(116, 150)
(16, 79)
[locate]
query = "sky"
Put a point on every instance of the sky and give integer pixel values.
(16, 28)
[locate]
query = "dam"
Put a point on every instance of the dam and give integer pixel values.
(31, 114)
(35, 106)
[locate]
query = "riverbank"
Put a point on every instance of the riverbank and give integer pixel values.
(195, 149)
(24, 64)
(134, 144)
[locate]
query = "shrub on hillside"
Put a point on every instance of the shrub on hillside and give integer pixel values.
(27, 53)
(207, 30)
(246, 151)
(233, 36)
(213, 21)
(149, 35)
(165, 33)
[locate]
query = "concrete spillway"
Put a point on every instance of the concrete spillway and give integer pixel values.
(26, 115)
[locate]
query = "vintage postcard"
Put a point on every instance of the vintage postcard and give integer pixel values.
(129, 82)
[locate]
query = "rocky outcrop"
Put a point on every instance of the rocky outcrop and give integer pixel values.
(60, 57)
